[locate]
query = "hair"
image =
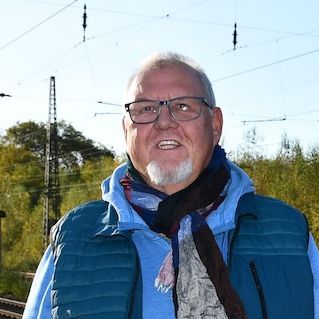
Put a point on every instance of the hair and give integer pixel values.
(164, 59)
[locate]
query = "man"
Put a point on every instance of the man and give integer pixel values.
(180, 233)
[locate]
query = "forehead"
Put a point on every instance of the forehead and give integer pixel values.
(166, 82)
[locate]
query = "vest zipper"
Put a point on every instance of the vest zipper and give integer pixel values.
(136, 278)
(259, 289)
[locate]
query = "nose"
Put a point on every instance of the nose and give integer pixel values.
(165, 119)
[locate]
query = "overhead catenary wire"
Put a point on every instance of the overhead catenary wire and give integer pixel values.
(85, 151)
(144, 24)
(265, 65)
(40, 177)
(225, 77)
(165, 16)
(189, 7)
(87, 185)
(265, 120)
(36, 26)
(164, 23)
(170, 15)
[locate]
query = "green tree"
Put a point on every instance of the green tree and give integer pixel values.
(83, 165)
(86, 186)
(21, 186)
(73, 147)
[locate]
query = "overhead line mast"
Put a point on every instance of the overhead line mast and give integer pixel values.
(51, 170)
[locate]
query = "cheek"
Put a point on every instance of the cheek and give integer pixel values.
(203, 135)
(136, 140)
(131, 140)
(203, 142)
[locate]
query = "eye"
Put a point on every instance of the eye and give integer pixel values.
(183, 107)
(148, 108)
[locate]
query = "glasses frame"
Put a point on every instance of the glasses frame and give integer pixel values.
(202, 100)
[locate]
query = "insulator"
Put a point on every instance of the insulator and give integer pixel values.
(235, 36)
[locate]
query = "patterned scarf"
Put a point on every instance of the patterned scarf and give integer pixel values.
(195, 268)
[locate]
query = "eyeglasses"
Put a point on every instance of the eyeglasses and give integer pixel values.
(184, 108)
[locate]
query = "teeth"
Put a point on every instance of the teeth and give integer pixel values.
(167, 144)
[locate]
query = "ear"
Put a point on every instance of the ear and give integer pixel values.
(217, 122)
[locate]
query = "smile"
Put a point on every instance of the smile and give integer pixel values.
(167, 144)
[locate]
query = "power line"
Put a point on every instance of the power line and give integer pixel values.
(170, 14)
(107, 113)
(88, 185)
(20, 165)
(265, 65)
(226, 25)
(40, 177)
(280, 91)
(266, 120)
(109, 103)
(36, 26)
(30, 163)
(279, 119)
(305, 112)
(80, 44)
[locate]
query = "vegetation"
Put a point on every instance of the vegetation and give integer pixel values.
(291, 175)
(83, 165)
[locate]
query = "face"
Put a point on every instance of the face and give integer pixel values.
(168, 142)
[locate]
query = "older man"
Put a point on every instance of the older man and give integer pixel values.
(180, 232)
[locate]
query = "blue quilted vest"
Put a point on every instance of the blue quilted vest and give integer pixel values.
(268, 263)
(97, 273)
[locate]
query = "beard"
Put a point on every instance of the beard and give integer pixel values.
(162, 176)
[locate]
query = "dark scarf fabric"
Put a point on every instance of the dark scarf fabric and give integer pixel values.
(191, 206)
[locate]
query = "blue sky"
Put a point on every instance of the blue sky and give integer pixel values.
(270, 82)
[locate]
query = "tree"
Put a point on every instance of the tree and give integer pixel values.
(87, 184)
(74, 148)
(20, 171)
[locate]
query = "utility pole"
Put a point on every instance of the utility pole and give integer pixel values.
(3, 214)
(51, 170)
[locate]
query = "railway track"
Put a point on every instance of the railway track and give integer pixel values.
(11, 308)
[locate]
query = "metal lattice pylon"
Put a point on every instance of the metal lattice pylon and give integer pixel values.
(51, 171)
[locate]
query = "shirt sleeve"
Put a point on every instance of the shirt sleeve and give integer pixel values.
(313, 254)
(39, 300)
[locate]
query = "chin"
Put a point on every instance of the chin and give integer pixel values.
(163, 175)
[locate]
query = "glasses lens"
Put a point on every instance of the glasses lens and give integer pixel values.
(186, 108)
(143, 111)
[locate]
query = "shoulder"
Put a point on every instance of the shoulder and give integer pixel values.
(268, 207)
(269, 225)
(81, 218)
(85, 210)
(275, 208)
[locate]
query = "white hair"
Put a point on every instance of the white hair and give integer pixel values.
(163, 59)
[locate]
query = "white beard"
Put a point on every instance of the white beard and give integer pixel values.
(162, 177)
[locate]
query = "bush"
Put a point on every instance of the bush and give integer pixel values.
(13, 285)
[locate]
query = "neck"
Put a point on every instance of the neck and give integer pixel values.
(170, 189)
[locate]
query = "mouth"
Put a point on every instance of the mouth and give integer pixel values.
(167, 144)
